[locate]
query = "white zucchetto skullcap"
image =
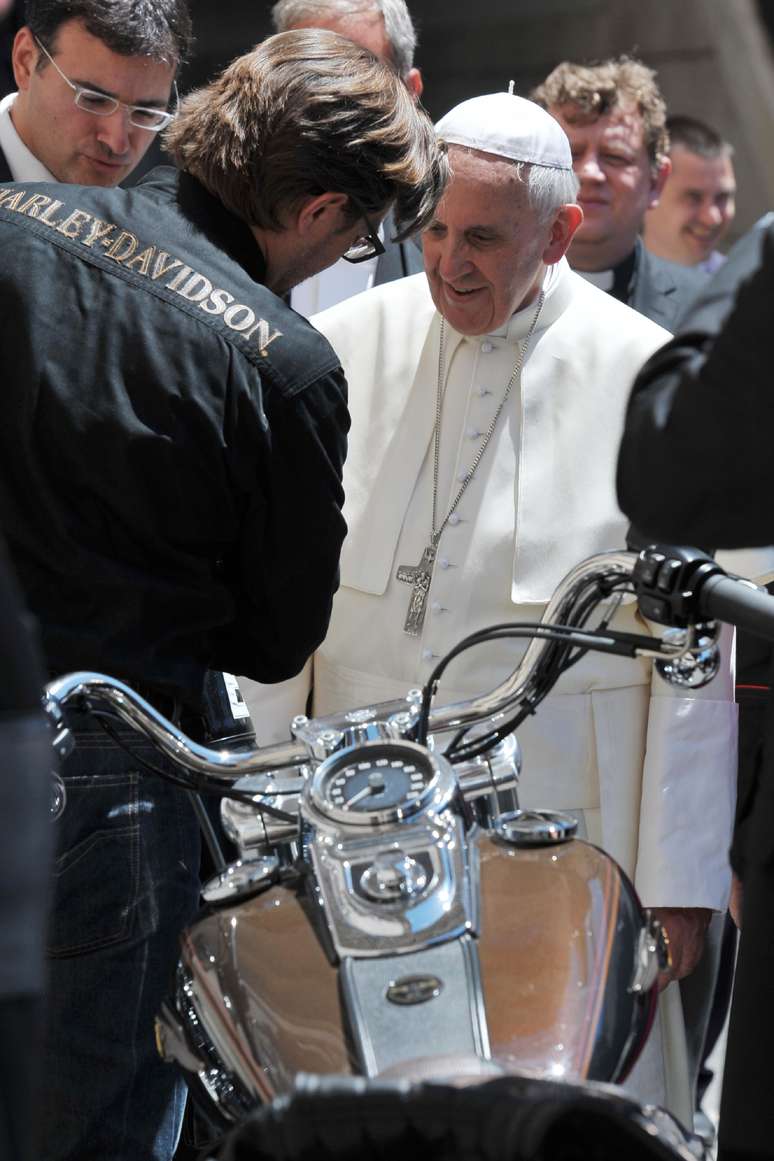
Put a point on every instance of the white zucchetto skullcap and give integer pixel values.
(508, 126)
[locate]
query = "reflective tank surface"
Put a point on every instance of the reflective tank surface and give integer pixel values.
(558, 931)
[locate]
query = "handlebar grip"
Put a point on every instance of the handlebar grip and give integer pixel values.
(724, 599)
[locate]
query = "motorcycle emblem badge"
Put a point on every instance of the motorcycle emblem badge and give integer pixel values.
(414, 989)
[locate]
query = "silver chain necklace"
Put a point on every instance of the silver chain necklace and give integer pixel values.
(420, 576)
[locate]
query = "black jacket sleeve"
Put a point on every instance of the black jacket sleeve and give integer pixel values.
(284, 572)
(21, 665)
(695, 464)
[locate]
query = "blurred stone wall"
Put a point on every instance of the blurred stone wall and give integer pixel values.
(713, 58)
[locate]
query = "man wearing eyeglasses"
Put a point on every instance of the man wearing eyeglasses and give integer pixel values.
(96, 82)
(172, 437)
(386, 29)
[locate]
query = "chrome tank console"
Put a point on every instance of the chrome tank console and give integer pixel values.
(391, 859)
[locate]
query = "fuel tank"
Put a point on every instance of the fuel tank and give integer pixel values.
(546, 979)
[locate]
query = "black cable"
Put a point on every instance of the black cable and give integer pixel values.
(515, 629)
(199, 783)
(219, 862)
(557, 660)
(560, 656)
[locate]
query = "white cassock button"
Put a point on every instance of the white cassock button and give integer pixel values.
(483, 391)
(436, 606)
(487, 347)
(443, 561)
(462, 476)
(427, 655)
(454, 518)
(473, 433)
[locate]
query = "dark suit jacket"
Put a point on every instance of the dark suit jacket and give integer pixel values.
(399, 258)
(5, 173)
(662, 290)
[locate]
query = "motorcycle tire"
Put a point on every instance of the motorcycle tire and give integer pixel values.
(509, 1119)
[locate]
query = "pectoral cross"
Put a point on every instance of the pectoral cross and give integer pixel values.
(419, 576)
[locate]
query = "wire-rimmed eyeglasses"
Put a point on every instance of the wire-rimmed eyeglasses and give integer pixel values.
(101, 105)
(367, 245)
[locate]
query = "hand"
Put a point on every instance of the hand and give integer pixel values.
(685, 928)
(736, 900)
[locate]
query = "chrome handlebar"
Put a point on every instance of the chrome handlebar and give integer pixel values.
(229, 765)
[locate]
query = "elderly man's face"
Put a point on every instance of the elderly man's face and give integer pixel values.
(618, 182)
(485, 249)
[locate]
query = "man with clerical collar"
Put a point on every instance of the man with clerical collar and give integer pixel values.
(95, 85)
(614, 117)
(528, 368)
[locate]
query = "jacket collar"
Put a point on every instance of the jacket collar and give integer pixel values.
(208, 215)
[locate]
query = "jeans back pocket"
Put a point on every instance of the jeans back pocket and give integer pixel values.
(96, 870)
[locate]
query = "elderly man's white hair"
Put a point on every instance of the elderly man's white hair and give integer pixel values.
(398, 25)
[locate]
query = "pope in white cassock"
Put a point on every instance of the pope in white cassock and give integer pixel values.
(524, 370)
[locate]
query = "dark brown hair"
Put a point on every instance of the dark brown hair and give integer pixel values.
(596, 89)
(304, 113)
(697, 137)
(159, 29)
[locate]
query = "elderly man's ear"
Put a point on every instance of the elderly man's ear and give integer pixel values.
(566, 222)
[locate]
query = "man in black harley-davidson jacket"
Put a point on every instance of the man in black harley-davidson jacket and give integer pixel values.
(172, 437)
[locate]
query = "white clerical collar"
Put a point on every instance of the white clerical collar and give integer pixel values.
(23, 164)
(603, 279)
(556, 292)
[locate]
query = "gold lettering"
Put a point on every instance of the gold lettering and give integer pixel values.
(128, 241)
(7, 194)
(203, 288)
(71, 226)
(33, 207)
(265, 335)
(142, 261)
(179, 278)
(217, 302)
(163, 267)
(10, 199)
(99, 232)
(49, 210)
(230, 317)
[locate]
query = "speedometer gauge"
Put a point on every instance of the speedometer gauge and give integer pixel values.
(379, 782)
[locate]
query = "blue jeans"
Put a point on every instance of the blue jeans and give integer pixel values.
(126, 882)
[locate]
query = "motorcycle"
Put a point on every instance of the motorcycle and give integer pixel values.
(395, 926)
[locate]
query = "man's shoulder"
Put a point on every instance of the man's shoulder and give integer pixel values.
(662, 289)
(208, 268)
(615, 322)
(664, 272)
(401, 295)
(397, 312)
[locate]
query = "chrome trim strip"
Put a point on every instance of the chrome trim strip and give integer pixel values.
(476, 1002)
